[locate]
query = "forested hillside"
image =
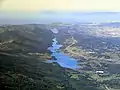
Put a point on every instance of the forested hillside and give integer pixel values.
(23, 48)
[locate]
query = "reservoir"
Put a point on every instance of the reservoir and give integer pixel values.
(62, 59)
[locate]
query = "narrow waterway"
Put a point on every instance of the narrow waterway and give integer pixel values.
(62, 59)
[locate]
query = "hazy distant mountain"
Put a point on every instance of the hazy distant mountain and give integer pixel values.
(51, 16)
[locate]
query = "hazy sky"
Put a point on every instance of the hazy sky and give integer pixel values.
(60, 5)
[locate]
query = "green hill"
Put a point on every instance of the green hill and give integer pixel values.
(23, 48)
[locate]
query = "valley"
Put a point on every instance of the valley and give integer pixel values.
(92, 49)
(95, 47)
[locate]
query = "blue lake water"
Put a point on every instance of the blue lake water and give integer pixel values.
(62, 59)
